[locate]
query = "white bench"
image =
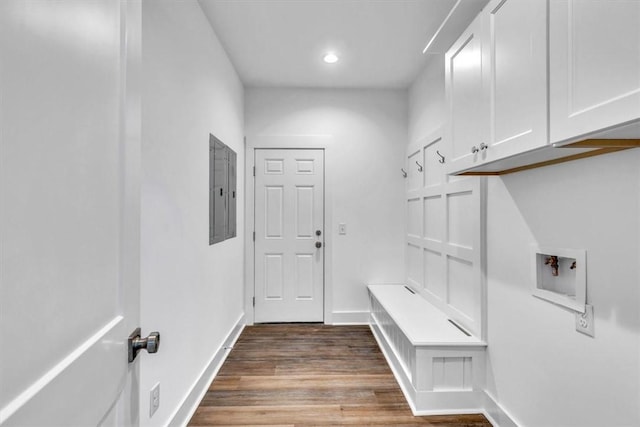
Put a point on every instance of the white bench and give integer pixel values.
(439, 365)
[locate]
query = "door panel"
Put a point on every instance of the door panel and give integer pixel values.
(69, 223)
(289, 206)
(304, 276)
(274, 216)
(464, 92)
(514, 73)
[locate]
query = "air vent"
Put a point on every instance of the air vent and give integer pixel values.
(459, 327)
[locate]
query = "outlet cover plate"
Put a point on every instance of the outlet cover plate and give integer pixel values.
(154, 399)
(584, 321)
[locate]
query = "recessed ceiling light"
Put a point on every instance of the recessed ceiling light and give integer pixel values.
(330, 58)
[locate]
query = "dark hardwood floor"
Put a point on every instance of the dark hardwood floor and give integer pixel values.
(310, 374)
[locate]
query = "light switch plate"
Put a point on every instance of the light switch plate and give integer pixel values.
(342, 228)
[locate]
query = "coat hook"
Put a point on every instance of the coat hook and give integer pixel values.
(573, 265)
(419, 166)
(441, 157)
(404, 173)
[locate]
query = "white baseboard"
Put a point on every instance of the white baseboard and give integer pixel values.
(496, 414)
(190, 403)
(350, 317)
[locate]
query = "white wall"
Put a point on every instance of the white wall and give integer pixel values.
(362, 170)
(540, 370)
(191, 292)
(426, 100)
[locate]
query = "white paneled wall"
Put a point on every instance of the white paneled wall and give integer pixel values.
(444, 233)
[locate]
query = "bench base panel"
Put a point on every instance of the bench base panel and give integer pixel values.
(429, 402)
(440, 402)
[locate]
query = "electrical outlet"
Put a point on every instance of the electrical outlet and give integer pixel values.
(154, 399)
(584, 321)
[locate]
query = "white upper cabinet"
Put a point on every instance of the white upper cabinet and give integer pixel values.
(515, 76)
(497, 84)
(467, 112)
(594, 65)
(528, 76)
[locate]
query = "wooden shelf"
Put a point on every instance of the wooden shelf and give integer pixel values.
(552, 155)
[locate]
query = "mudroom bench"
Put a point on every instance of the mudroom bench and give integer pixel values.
(439, 365)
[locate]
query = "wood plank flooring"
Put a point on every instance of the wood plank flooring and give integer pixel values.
(310, 374)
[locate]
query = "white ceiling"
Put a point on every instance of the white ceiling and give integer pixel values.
(380, 42)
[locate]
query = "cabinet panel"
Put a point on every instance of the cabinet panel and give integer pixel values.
(515, 70)
(435, 278)
(223, 190)
(444, 250)
(460, 227)
(232, 194)
(434, 219)
(414, 217)
(414, 176)
(594, 66)
(414, 265)
(220, 173)
(463, 74)
(433, 156)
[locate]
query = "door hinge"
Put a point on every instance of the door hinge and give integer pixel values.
(254, 171)
(254, 301)
(254, 236)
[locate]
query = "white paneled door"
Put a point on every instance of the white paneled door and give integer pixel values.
(289, 235)
(69, 216)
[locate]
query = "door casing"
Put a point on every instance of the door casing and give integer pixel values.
(322, 142)
(293, 245)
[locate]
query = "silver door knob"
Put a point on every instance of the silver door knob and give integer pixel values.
(474, 149)
(483, 146)
(318, 245)
(137, 343)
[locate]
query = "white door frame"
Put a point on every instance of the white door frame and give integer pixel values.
(322, 142)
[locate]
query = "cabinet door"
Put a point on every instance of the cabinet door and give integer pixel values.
(467, 112)
(515, 76)
(231, 193)
(594, 65)
(220, 185)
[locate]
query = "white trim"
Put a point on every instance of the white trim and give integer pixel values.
(42, 384)
(496, 414)
(350, 318)
(192, 399)
(440, 28)
(320, 141)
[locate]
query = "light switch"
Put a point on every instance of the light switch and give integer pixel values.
(342, 228)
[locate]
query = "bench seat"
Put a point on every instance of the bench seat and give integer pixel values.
(420, 321)
(440, 368)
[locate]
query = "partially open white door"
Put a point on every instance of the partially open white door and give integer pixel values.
(289, 235)
(69, 216)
